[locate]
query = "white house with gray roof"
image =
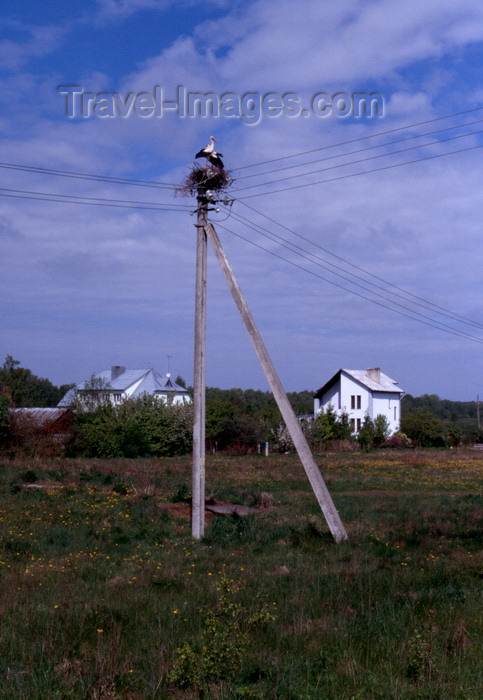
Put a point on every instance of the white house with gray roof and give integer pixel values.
(117, 384)
(361, 392)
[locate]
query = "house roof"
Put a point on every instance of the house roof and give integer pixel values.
(149, 381)
(385, 383)
(40, 416)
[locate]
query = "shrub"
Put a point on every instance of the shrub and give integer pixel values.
(366, 435)
(328, 427)
(137, 428)
(4, 430)
(398, 440)
(423, 428)
(226, 634)
(282, 440)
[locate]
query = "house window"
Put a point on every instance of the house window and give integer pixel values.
(355, 402)
(353, 425)
(395, 413)
(358, 424)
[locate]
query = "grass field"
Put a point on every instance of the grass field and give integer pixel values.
(105, 595)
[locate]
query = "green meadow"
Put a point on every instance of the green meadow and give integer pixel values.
(104, 594)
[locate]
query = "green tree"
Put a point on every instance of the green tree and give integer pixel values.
(373, 433)
(328, 427)
(95, 394)
(423, 428)
(443, 408)
(24, 389)
(381, 429)
(302, 401)
(4, 431)
(454, 434)
(136, 428)
(342, 427)
(218, 410)
(366, 434)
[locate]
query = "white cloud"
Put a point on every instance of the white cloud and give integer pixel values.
(316, 45)
(32, 42)
(122, 9)
(104, 285)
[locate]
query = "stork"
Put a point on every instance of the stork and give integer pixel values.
(210, 154)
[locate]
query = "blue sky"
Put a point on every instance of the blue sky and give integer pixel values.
(380, 262)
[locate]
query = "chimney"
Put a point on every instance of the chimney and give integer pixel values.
(374, 373)
(116, 371)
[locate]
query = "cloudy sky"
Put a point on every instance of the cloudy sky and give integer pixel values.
(355, 235)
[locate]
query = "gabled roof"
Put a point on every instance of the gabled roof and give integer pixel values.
(40, 416)
(385, 383)
(155, 383)
(148, 380)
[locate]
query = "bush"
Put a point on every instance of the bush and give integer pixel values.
(227, 631)
(328, 427)
(140, 427)
(4, 430)
(373, 433)
(424, 429)
(366, 434)
(398, 440)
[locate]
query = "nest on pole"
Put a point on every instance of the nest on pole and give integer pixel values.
(208, 178)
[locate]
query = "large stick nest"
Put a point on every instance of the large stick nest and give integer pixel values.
(209, 178)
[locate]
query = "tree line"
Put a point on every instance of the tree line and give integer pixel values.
(236, 420)
(22, 389)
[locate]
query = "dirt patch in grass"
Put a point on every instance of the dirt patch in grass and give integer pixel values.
(213, 507)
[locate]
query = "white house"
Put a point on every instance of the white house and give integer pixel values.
(358, 392)
(118, 384)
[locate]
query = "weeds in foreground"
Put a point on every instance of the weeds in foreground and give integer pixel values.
(226, 632)
(103, 593)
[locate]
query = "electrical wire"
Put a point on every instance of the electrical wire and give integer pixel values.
(362, 172)
(425, 302)
(169, 185)
(436, 324)
(303, 253)
(361, 138)
(343, 274)
(92, 201)
(359, 150)
(88, 176)
(360, 160)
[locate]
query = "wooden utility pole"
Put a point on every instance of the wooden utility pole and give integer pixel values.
(311, 469)
(199, 402)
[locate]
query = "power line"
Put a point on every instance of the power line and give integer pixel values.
(168, 185)
(360, 160)
(316, 260)
(363, 172)
(306, 255)
(91, 201)
(87, 176)
(359, 150)
(360, 138)
(435, 324)
(426, 302)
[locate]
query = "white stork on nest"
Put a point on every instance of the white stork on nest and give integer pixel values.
(210, 154)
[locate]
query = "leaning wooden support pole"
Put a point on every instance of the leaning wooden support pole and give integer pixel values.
(311, 469)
